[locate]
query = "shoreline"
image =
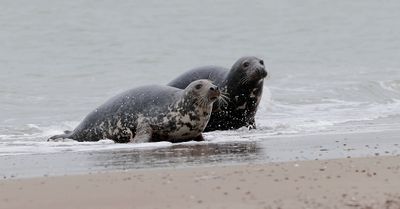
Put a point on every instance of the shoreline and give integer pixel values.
(370, 182)
(253, 148)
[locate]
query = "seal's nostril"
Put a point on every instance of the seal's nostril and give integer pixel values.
(261, 62)
(262, 72)
(265, 73)
(212, 89)
(216, 88)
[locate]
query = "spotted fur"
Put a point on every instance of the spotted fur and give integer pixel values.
(151, 113)
(241, 86)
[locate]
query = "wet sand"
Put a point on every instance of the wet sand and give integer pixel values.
(255, 148)
(343, 183)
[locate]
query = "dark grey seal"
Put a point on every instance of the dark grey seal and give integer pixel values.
(241, 90)
(150, 113)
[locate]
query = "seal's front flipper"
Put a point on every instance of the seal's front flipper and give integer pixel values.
(67, 132)
(67, 135)
(252, 124)
(198, 138)
(143, 133)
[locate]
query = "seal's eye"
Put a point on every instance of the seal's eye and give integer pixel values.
(246, 64)
(261, 62)
(198, 86)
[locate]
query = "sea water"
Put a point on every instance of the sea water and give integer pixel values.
(334, 66)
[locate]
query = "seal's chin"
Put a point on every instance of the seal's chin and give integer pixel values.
(255, 79)
(213, 99)
(213, 96)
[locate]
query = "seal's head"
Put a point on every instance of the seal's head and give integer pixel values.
(248, 71)
(204, 91)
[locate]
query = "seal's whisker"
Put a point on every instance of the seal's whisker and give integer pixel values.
(200, 101)
(224, 99)
(244, 80)
(225, 95)
(222, 102)
(203, 101)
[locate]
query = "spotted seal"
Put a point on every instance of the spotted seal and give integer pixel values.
(241, 90)
(149, 114)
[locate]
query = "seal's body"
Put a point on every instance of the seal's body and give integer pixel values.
(150, 113)
(241, 88)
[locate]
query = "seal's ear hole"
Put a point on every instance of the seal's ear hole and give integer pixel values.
(246, 64)
(261, 62)
(198, 86)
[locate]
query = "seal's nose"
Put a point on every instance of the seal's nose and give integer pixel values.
(262, 72)
(214, 93)
(214, 88)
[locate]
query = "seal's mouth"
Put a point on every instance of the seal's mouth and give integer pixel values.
(213, 94)
(255, 76)
(213, 98)
(260, 73)
(255, 79)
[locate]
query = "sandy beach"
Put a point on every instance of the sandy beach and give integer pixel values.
(343, 183)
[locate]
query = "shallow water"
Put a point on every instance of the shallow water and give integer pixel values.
(334, 65)
(253, 150)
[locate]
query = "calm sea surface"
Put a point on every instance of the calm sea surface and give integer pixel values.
(334, 65)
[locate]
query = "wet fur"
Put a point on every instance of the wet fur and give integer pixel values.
(241, 92)
(164, 113)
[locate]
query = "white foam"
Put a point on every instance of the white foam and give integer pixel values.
(34, 147)
(391, 85)
(274, 118)
(36, 142)
(311, 118)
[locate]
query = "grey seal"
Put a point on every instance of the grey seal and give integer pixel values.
(241, 90)
(149, 114)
